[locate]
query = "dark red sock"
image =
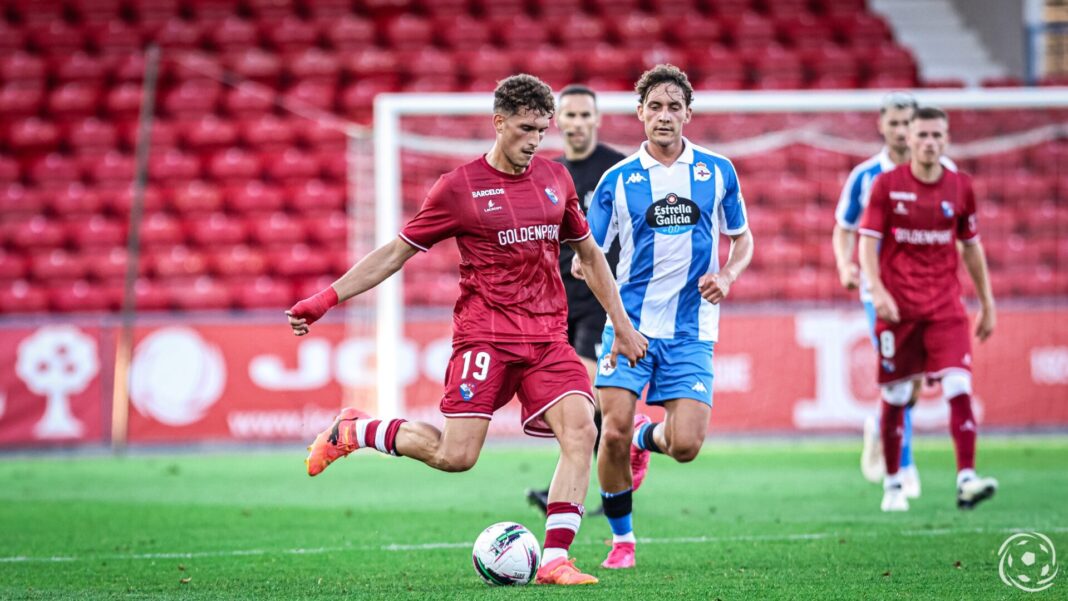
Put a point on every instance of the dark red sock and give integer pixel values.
(963, 429)
(892, 422)
(562, 521)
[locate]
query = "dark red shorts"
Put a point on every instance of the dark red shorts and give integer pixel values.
(912, 348)
(483, 376)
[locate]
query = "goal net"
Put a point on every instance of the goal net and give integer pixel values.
(794, 352)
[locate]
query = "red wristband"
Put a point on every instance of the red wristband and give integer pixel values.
(314, 307)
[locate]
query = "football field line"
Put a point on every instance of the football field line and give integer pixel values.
(686, 540)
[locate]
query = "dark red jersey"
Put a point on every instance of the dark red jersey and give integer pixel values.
(509, 229)
(918, 225)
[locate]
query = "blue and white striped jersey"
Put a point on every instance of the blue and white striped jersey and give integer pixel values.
(856, 192)
(668, 220)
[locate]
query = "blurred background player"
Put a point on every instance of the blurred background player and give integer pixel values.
(586, 160)
(509, 333)
(894, 115)
(667, 204)
(908, 253)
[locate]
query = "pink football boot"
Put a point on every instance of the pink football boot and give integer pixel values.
(639, 458)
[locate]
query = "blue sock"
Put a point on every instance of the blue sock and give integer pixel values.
(906, 440)
(617, 508)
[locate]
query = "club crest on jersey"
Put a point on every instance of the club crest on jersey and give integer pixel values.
(552, 195)
(701, 172)
(467, 391)
(947, 209)
(673, 215)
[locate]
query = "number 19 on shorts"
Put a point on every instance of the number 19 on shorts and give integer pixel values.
(482, 361)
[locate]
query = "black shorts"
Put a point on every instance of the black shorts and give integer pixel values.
(584, 333)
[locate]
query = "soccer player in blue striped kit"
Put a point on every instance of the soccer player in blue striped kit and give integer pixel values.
(668, 204)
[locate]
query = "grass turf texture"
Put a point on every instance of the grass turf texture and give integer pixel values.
(746, 520)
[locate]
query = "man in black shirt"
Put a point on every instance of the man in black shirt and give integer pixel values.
(586, 160)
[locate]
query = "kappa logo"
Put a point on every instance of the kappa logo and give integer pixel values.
(635, 178)
(699, 387)
(701, 172)
(490, 207)
(552, 195)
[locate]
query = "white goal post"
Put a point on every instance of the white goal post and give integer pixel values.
(389, 109)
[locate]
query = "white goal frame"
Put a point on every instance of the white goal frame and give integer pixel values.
(390, 108)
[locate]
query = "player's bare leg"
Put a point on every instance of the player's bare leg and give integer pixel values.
(683, 431)
(614, 473)
(571, 420)
(455, 449)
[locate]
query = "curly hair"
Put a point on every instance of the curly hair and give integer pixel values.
(519, 92)
(664, 74)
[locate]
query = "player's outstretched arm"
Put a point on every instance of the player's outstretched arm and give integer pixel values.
(628, 342)
(975, 262)
(369, 272)
(715, 287)
(844, 242)
(884, 303)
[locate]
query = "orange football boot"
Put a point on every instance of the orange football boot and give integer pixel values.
(335, 442)
(563, 571)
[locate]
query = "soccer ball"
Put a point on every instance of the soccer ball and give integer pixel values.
(506, 553)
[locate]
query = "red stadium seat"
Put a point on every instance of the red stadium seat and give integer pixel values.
(192, 97)
(298, 260)
(250, 99)
(548, 60)
(460, 31)
(262, 293)
(292, 164)
(79, 296)
(119, 197)
(749, 30)
(16, 199)
(267, 132)
(57, 264)
(9, 170)
(254, 63)
(215, 229)
(197, 196)
(97, 231)
(54, 169)
(486, 62)
(12, 266)
(12, 38)
(199, 294)
(327, 228)
(271, 9)
(804, 30)
(115, 36)
(55, 36)
(408, 32)
(91, 134)
(234, 164)
(177, 262)
(22, 66)
(583, 31)
(253, 196)
(124, 99)
(505, 27)
(78, 66)
(861, 30)
(179, 34)
(320, 94)
(373, 62)
(350, 33)
(155, 11)
(840, 7)
(148, 295)
(444, 7)
(173, 165)
(209, 132)
(830, 60)
(33, 135)
(233, 33)
(637, 29)
(315, 196)
(113, 166)
(313, 63)
(237, 260)
(290, 33)
(75, 200)
(96, 11)
(161, 229)
(276, 228)
(74, 99)
(20, 99)
(19, 296)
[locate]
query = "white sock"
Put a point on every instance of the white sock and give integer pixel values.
(624, 538)
(892, 481)
(552, 553)
(965, 475)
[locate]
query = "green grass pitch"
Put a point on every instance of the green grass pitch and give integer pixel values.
(747, 520)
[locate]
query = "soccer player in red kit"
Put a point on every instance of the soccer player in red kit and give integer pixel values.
(915, 216)
(509, 211)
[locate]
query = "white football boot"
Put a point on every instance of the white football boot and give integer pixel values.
(974, 490)
(894, 498)
(910, 481)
